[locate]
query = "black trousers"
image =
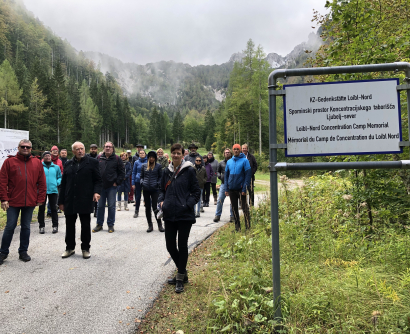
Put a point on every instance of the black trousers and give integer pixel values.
(207, 191)
(52, 198)
(236, 195)
(213, 185)
(252, 192)
(178, 254)
(151, 200)
(85, 220)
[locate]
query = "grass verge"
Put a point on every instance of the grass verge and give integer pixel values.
(336, 278)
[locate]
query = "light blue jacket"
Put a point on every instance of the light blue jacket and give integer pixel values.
(53, 177)
(238, 173)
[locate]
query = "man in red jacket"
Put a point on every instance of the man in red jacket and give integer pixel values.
(22, 187)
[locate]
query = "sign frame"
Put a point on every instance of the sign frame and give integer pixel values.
(399, 151)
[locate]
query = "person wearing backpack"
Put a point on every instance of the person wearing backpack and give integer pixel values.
(112, 173)
(178, 194)
(151, 173)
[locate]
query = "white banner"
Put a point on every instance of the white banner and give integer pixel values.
(9, 141)
(340, 118)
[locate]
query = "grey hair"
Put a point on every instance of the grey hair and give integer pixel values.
(77, 142)
(25, 141)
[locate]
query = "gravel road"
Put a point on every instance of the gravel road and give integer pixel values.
(107, 293)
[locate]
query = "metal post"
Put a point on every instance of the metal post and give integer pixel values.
(408, 101)
(274, 204)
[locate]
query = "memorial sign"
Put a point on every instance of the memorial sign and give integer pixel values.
(342, 118)
(9, 141)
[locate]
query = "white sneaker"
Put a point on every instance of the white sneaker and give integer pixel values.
(68, 253)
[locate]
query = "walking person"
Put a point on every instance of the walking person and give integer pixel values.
(151, 173)
(81, 187)
(237, 180)
(162, 159)
(136, 180)
(201, 177)
(125, 186)
(179, 192)
(193, 154)
(222, 196)
(112, 173)
(254, 168)
(209, 175)
(53, 181)
(214, 164)
(22, 188)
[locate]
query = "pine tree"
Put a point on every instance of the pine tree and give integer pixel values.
(177, 127)
(153, 127)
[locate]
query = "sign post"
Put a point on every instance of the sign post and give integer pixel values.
(334, 118)
(9, 140)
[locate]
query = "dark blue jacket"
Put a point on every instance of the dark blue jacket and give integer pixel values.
(150, 179)
(136, 171)
(111, 170)
(181, 195)
(238, 173)
(125, 186)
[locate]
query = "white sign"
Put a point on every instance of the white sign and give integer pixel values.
(341, 118)
(9, 141)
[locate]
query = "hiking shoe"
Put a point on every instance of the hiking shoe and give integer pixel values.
(24, 257)
(173, 280)
(217, 219)
(136, 214)
(68, 253)
(232, 220)
(97, 228)
(215, 202)
(55, 229)
(202, 209)
(86, 254)
(197, 215)
(110, 229)
(179, 286)
(2, 257)
(42, 230)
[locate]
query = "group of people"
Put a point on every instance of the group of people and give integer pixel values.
(175, 190)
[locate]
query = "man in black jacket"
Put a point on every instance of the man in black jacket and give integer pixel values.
(93, 151)
(193, 154)
(254, 167)
(112, 173)
(136, 155)
(80, 186)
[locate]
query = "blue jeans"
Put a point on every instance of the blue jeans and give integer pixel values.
(12, 216)
(198, 205)
(221, 200)
(125, 196)
(107, 195)
(137, 196)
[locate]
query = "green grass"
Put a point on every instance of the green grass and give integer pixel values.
(336, 277)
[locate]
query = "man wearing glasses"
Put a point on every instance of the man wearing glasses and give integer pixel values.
(22, 187)
(112, 173)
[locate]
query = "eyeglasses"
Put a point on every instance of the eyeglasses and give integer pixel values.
(26, 147)
(108, 146)
(198, 160)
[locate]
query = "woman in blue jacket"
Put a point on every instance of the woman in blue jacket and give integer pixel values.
(151, 173)
(53, 180)
(136, 180)
(125, 186)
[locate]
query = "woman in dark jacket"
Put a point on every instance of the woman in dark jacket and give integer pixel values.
(214, 163)
(124, 187)
(136, 180)
(151, 173)
(179, 192)
(207, 187)
(201, 176)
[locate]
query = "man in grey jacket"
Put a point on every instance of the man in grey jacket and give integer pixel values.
(222, 196)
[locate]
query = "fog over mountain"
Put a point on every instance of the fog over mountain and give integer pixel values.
(163, 81)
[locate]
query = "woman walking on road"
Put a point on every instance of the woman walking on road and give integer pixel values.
(201, 176)
(136, 180)
(179, 192)
(209, 175)
(124, 187)
(151, 173)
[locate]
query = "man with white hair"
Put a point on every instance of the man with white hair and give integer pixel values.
(81, 186)
(22, 188)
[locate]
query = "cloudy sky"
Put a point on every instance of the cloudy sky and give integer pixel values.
(189, 31)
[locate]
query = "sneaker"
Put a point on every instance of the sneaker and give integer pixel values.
(197, 215)
(110, 229)
(173, 280)
(136, 215)
(217, 219)
(2, 257)
(55, 229)
(58, 211)
(68, 253)
(24, 257)
(97, 228)
(86, 254)
(202, 209)
(95, 214)
(215, 202)
(42, 230)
